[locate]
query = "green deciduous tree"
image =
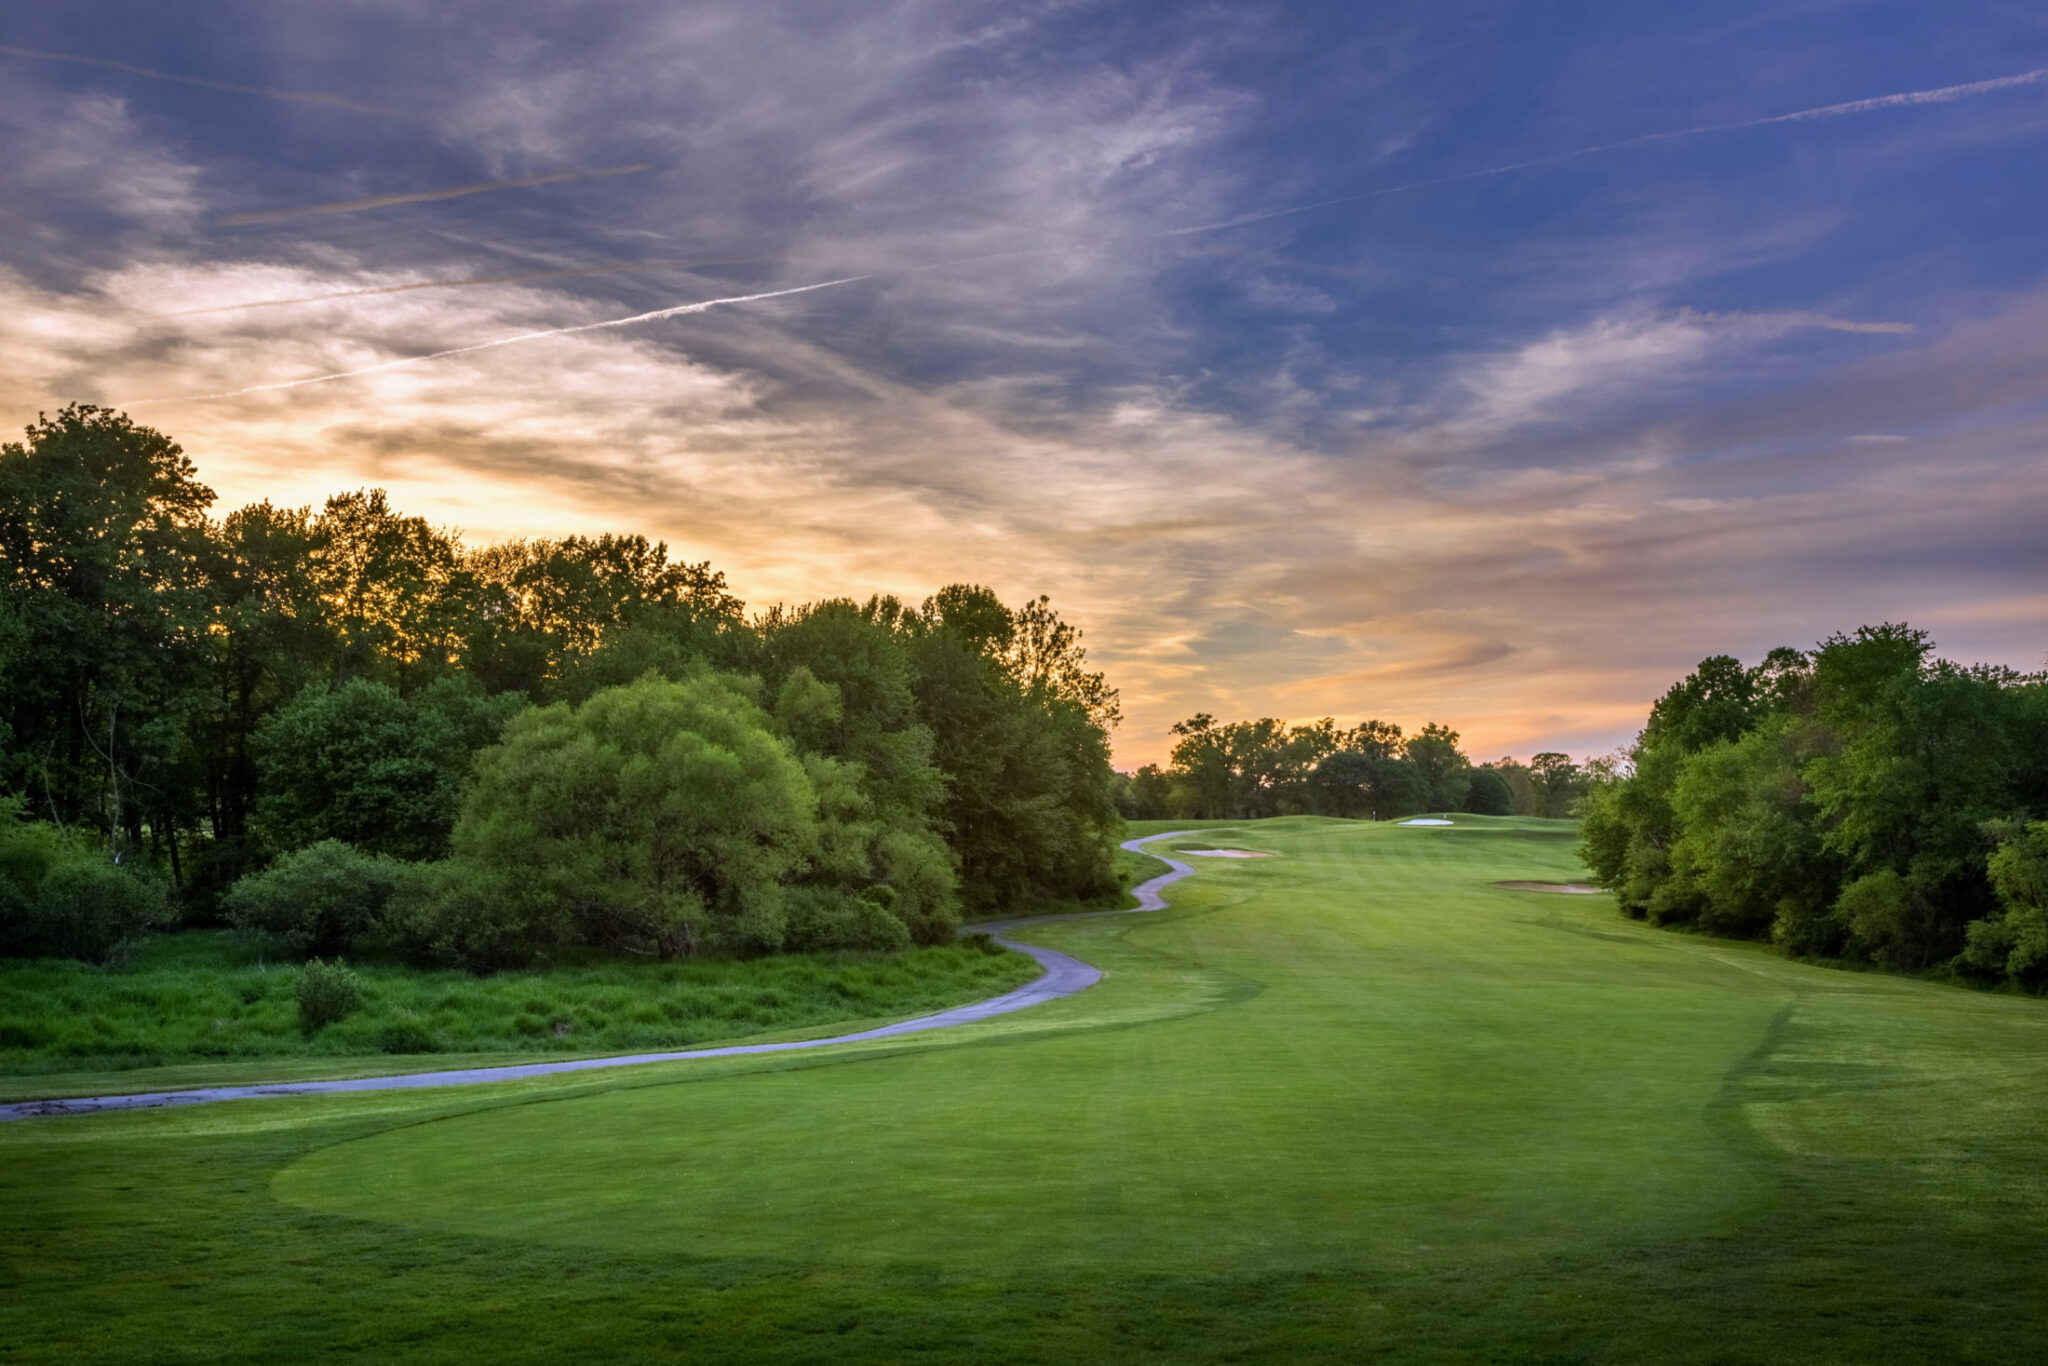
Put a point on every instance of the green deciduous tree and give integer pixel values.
(361, 764)
(665, 816)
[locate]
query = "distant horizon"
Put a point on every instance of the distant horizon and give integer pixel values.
(1469, 364)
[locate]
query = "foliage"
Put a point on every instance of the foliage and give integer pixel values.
(1223, 770)
(823, 918)
(327, 993)
(1489, 794)
(2014, 942)
(319, 901)
(662, 816)
(1835, 801)
(361, 764)
(209, 695)
(62, 897)
(91, 909)
(1030, 802)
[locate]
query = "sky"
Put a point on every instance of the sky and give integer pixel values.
(1485, 363)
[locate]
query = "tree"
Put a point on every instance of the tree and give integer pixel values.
(1030, 805)
(663, 816)
(382, 773)
(1489, 794)
(396, 589)
(1144, 793)
(2014, 943)
(1343, 783)
(1557, 783)
(102, 555)
(546, 609)
(1044, 655)
(1445, 771)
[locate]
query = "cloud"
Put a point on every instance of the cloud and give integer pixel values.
(265, 92)
(380, 367)
(385, 201)
(1902, 100)
(1498, 475)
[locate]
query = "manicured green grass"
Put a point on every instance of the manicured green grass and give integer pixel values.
(194, 1005)
(1348, 1102)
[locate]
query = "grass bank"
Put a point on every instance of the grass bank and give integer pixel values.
(202, 1001)
(1348, 1102)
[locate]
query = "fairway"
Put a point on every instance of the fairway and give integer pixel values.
(1351, 1097)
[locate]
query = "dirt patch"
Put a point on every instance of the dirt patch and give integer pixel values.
(1568, 888)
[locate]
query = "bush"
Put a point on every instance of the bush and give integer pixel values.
(407, 1033)
(464, 914)
(320, 901)
(89, 909)
(827, 918)
(60, 897)
(327, 992)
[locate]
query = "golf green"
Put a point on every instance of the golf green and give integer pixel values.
(1352, 1098)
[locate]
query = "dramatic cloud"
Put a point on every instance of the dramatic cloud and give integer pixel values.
(907, 299)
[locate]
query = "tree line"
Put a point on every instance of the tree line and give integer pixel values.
(1251, 769)
(1865, 800)
(341, 725)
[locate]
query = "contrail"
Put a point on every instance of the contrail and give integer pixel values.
(296, 96)
(624, 267)
(677, 311)
(474, 281)
(1943, 95)
(383, 201)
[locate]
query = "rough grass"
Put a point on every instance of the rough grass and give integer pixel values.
(210, 996)
(1348, 1103)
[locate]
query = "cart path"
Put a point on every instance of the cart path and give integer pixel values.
(1064, 976)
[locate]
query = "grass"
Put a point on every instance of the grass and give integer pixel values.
(203, 1007)
(1348, 1102)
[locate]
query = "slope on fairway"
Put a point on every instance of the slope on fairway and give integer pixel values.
(1420, 1071)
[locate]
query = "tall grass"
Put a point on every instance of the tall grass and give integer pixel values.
(208, 994)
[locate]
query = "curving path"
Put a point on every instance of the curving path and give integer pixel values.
(1064, 976)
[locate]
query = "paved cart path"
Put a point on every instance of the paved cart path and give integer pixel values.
(1064, 976)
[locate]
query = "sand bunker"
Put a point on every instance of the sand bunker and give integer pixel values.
(1426, 821)
(1568, 888)
(1222, 853)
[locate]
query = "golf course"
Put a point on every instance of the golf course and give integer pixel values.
(1349, 1100)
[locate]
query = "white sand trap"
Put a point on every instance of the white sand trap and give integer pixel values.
(1222, 853)
(1431, 821)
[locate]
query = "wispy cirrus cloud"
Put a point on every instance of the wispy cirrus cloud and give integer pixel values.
(1507, 453)
(317, 97)
(386, 201)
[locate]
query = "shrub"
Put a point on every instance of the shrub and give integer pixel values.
(60, 897)
(319, 901)
(466, 914)
(827, 918)
(983, 942)
(327, 992)
(89, 909)
(407, 1033)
